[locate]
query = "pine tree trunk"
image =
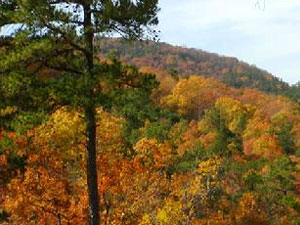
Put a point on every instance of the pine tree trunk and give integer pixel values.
(91, 167)
(90, 120)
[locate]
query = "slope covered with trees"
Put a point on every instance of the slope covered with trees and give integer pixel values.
(180, 61)
(195, 152)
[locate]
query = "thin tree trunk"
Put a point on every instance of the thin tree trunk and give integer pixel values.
(90, 120)
(58, 219)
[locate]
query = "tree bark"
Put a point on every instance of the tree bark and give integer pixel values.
(90, 120)
(91, 167)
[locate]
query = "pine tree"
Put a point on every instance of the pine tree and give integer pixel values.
(43, 39)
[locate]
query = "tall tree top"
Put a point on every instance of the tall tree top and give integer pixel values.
(64, 18)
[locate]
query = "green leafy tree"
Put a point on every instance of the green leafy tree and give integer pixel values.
(48, 60)
(226, 141)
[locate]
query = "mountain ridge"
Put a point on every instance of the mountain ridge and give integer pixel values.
(182, 61)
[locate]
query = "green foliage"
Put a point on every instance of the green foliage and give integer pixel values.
(292, 202)
(27, 120)
(262, 82)
(15, 162)
(226, 142)
(160, 124)
(281, 173)
(252, 180)
(188, 161)
(25, 100)
(294, 91)
(286, 139)
(148, 122)
(247, 174)
(256, 80)
(158, 130)
(4, 216)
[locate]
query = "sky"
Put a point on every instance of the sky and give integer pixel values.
(267, 36)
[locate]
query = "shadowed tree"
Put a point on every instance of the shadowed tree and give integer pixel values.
(47, 59)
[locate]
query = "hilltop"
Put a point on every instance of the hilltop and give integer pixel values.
(180, 61)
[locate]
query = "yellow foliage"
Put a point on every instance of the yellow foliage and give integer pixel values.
(171, 213)
(257, 125)
(145, 220)
(233, 111)
(109, 132)
(267, 146)
(7, 111)
(193, 95)
(153, 153)
(167, 83)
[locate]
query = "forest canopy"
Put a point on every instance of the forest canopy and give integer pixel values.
(182, 137)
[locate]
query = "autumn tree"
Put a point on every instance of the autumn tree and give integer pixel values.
(58, 36)
(190, 97)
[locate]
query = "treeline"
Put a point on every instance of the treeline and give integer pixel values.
(262, 83)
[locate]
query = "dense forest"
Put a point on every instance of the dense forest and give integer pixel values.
(182, 137)
(195, 151)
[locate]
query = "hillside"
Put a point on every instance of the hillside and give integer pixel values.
(205, 153)
(179, 151)
(180, 61)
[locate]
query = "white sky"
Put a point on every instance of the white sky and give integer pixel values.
(267, 37)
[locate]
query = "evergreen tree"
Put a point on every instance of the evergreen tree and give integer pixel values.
(43, 39)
